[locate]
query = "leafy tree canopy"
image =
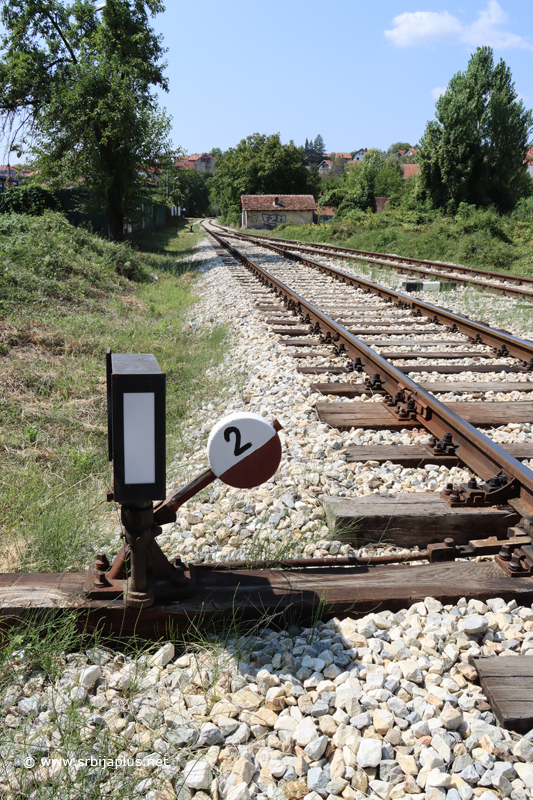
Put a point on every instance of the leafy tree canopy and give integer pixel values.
(398, 146)
(260, 164)
(337, 167)
(376, 176)
(33, 200)
(473, 152)
(190, 189)
(76, 90)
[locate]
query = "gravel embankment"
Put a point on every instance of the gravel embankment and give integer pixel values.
(383, 707)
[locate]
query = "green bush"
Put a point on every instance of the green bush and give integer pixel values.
(46, 256)
(33, 200)
(474, 220)
(524, 210)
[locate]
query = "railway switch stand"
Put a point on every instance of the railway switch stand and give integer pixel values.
(244, 451)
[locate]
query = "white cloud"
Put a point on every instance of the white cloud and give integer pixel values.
(419, 27)
(437, 92)
(429, 27)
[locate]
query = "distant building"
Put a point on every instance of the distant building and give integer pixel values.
(326, 213)
(12, 175)
(359, 154)
(201, 162)
(409, 170)
(411, 151)
(267, 211)
(324, 167)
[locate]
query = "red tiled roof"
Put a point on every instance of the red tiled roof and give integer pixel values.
(288, 202)
(326, 211)
(410, 169)
(187, 164)
(343, 155)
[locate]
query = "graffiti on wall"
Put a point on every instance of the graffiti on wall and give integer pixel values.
(274, 219)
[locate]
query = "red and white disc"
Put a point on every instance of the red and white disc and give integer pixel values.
(244, 450)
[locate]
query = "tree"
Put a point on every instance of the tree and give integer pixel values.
(337, 168)
(319, 148)
(76, 90)
(357, 190)
(474, 151)
(371, 152)
(260, 164)
(315, 150)
(389, 180)
(398, 146)
(191, 191)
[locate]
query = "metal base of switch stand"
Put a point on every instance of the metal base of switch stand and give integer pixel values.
(177, 583)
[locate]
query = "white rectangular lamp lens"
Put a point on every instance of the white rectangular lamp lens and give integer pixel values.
(139, 437)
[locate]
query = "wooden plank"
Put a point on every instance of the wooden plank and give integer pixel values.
(302, 342)
(291, 331)
(518, 666)
(252, 594)
(283, 321)
(418, 455)
(508, 686)
(412, 518)
(385, 327)
(324, 370)
(379, 417)
(310, 354)
(452, 369)
(411, 342)
(340, 389)
(392, 355)
(458, 387)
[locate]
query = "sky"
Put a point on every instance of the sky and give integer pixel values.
(361, 74)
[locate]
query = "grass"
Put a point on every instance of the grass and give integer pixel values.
(476, 238)
(53, 435)
(171, 249)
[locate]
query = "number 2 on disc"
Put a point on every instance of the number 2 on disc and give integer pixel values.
(244, 450)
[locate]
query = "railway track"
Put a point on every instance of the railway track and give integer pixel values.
(345, 330)
(335, 312)
(490, 280)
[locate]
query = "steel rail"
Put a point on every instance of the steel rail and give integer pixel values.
(483, 456)
(413, 265)
(478, 332)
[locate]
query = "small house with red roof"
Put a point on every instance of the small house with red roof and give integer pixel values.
(267, 211)
(201, 162)
(409, 170)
